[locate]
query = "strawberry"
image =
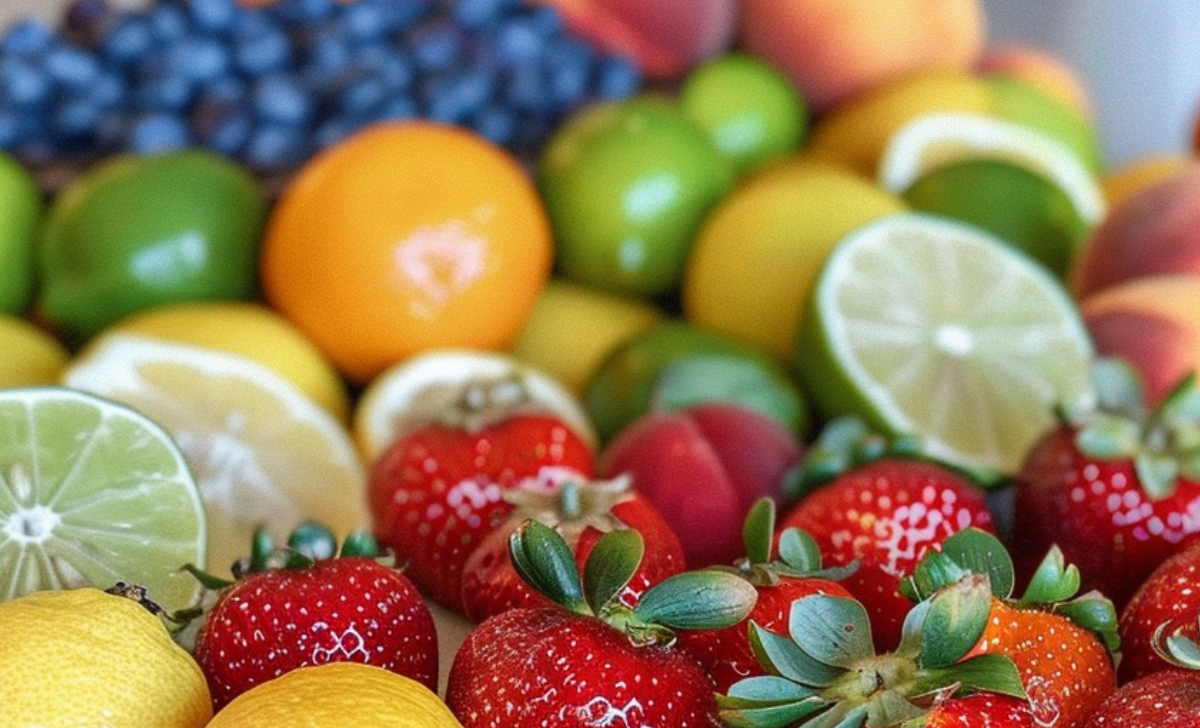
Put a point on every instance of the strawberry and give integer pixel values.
(824, 670)
(438, 490)
(1164, 603)
(983, 710)
(882, 509)
(580, 512)
(1116, 488)
(727, 653)
(1063, 650)
(589, 660)
(288, 609)
(1168, 698)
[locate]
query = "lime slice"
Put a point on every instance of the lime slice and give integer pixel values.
(934, 328)
(92, 493)
(933, 140)
(263, 453)
(422, 387)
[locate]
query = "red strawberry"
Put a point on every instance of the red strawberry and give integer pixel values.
(1169, 698)
(884, 515)
(581, 513)
(1166, 602)
(1116, 489)
(826, 672)
(286, 611)
(1062, 649)
(438, 491)
(727, 653)
(594, 662)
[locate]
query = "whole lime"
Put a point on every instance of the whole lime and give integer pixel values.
(20, 210)
(626, 185)
(136, 231)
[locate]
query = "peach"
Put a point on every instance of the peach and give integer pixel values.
(1152, 231)
(1042, 69)
(703, 467)
(1152, 322)
(664, 37)
(835, 49)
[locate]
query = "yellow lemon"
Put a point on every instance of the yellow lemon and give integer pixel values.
(757, 254)
(337, 695)
(574, 326)
(31, 356)
(250, 330)
(83, 657)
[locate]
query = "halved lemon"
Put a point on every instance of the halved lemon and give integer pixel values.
(937, 329)
(426, 386)
(91, 493)
(262, 452)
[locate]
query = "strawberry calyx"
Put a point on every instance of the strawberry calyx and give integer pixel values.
(1054, 586)
(825, 670)
(799, 557)
(476, 403)
(707, 599)
(1163, 443)
(569, 504)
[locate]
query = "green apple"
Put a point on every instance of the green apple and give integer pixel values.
(20, 210)
(626, 185)
(137, 231)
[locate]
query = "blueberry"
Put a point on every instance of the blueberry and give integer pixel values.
(26, 37)
(364, 21)
(617, 77)
(222, 126)
(437, 46)
(109, 91)
(212, 16)
(258, 50)
(455, 97)
(302, 12)
(168, 23)
(399, 107)
(480, 13)
(157, 132)
(518, 41)
(282, 99)
(73, 68)
(362, 94)
(496, 123)
(335, 129)
(15, 128)
(273, 147)
(162, 92)
(72, 118)
(200, 59)
(23, 84)
(546, 20)
(130, 38)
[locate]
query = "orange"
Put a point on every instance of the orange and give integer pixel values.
(406, 236)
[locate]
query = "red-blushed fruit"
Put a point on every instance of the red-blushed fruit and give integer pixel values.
(703, 467)
(296, 612)
(726, 654)
(1114, 488)
(1167, 601)
(983, 710)
(439, 490)
(581, 512)
(1164, 699)
(588, 660)
(885, 515)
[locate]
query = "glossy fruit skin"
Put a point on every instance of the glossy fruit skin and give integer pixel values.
(137, 231)
(437, 492)
(1170, 596)
(887, 514)
(341, 609)
(645, 150)
(982, 710)
(20, 213)
(726, 653)
(1164, 699)
(491, 585)
(1099, 515)
(545, 666)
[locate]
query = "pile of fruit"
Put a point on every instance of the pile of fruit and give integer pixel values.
(587, 363)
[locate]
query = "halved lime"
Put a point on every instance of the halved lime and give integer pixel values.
(92, 493)
(929, 327)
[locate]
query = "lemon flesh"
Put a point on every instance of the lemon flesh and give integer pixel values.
(92, 493)
(937, 329)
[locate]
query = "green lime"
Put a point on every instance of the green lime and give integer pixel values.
(676, 364)
(1024, 103)
(92, 493)
(929, 327)
(20, 210)
(1012, 202)
(749, 109)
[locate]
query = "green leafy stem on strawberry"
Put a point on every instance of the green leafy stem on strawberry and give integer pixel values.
(706, 599)
(799, 556)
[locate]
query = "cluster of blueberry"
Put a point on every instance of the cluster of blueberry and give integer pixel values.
(271, 85)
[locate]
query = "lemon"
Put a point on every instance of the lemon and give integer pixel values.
(91, 493)
(30, 355)
(758, 252)
(423, 387)
(573, 326)
(83, 657)
(933, 328)
(250, 330)
(262, 452)
(337, 695)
